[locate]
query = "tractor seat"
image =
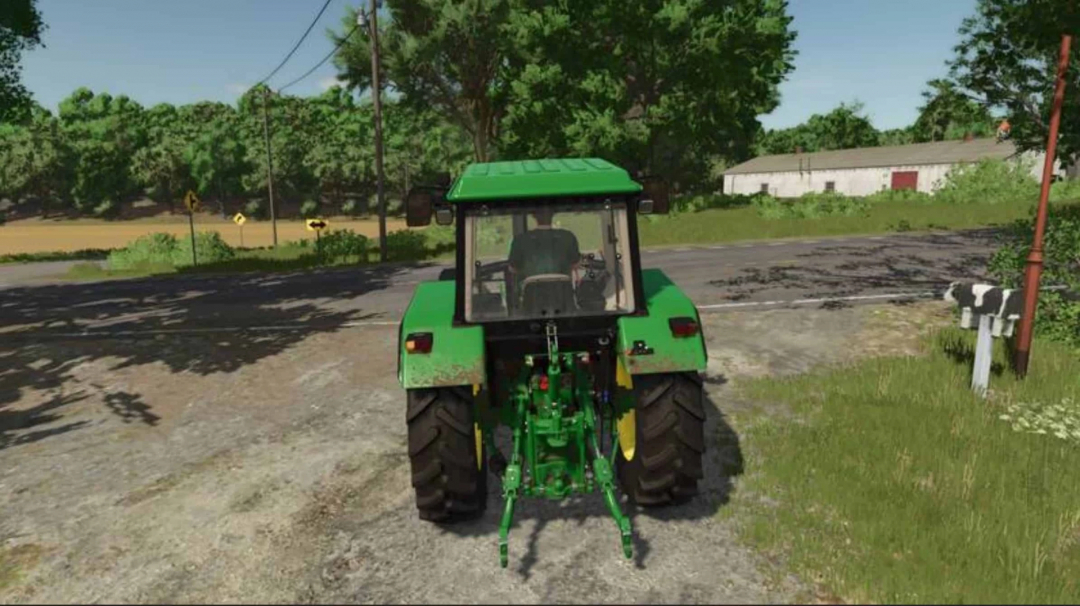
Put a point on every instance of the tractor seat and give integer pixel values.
(548, 295)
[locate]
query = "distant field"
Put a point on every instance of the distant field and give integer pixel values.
(34, 235)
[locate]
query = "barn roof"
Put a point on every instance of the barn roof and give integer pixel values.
(939, 152)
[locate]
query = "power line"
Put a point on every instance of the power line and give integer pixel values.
(324, 59)
(298, 42)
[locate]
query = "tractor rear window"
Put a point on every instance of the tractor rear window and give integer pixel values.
(547, 261)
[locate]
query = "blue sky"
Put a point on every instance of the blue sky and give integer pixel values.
(880, 52)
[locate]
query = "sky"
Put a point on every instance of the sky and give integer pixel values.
(879, 52)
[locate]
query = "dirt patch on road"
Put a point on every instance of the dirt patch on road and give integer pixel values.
(283, 478)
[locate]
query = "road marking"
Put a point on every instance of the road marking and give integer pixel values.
(910, 295)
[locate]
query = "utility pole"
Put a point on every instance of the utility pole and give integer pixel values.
(1033, 270)
(269, 162)
(376, 98)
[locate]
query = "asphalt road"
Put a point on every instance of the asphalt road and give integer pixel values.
(752, 275)
(259, 455)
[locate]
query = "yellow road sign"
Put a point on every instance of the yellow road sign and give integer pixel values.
(239, 219)
(191, 201)
(317, 224)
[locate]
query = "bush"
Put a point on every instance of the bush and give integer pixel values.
(344, 243)
(1058, 314)
(209, 248)
(106, 209)
(406, 245)
(898, 195)
(683, 204)
(351, 207)
(309, 209)
(1065, 191)
(988, 182)
(811, 205)
(154, 249)
(256, 209)
(167, 249)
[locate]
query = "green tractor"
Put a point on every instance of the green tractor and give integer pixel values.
(549, 325)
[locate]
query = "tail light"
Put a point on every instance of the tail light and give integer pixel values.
(544, 383)
(419, 342)
(683, 327)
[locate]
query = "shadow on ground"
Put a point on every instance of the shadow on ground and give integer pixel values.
(902, 263)
(723, 462)
(201, 325)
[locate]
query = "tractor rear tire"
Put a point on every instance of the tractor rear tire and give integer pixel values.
(669, 440)
(450, 486)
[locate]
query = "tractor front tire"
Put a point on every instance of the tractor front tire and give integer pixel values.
(449, 482)
(669, 440)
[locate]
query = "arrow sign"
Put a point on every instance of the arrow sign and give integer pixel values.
(191, 201)
(317, 225)
(239, 219)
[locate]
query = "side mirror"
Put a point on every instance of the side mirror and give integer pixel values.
(418, 207)
(654, 196)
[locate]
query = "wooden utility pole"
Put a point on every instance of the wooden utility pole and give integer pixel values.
(376, 97)
(1033, 270)
(269, 162)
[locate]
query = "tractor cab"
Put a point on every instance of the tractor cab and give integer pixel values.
(547, 260)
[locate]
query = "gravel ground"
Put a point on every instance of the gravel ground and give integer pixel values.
(283, 478)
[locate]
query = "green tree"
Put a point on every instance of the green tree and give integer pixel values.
(217, 158)
(446, 55)
(843, 128)
(1007, 59)
(947, 113)
(20, 30)
(36, 162)
(105, 132)
(659, 86)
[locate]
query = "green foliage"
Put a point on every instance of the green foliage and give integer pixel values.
(157, 249)
(309, 209)
(949, 114)
(166, 250)
(58, 255)
(256, 209)
(988, 182)
(343, 244)
(1007, 58)
(843, 128)
(1058, 315)
(909, 196)
(810, 206)
(20, 30)
(698, 203)
(406, 245)
(209, 248)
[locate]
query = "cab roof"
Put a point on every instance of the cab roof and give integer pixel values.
(541, 179)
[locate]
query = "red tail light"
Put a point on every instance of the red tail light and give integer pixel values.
(419, 342)
(543, 383)
(683, 327)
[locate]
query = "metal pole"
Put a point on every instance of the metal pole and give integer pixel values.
(1033, 269)
(269, 163)
(191, 223)
(376, 96)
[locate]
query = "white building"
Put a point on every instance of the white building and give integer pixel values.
(863, 171)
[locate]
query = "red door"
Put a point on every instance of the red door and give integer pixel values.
(905, 179)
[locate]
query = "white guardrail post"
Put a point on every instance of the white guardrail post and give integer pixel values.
(996, 311)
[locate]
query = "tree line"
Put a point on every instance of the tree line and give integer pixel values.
(670, 87)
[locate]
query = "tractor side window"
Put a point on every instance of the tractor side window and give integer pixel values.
(547, 261)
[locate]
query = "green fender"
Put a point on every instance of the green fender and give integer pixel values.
(457, 353)
(669, 353)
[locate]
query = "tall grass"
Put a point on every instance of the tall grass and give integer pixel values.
(890, 482)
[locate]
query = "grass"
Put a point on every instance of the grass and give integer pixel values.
(437, 243)
(745, 223)
(890, 482)
(59, 255)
